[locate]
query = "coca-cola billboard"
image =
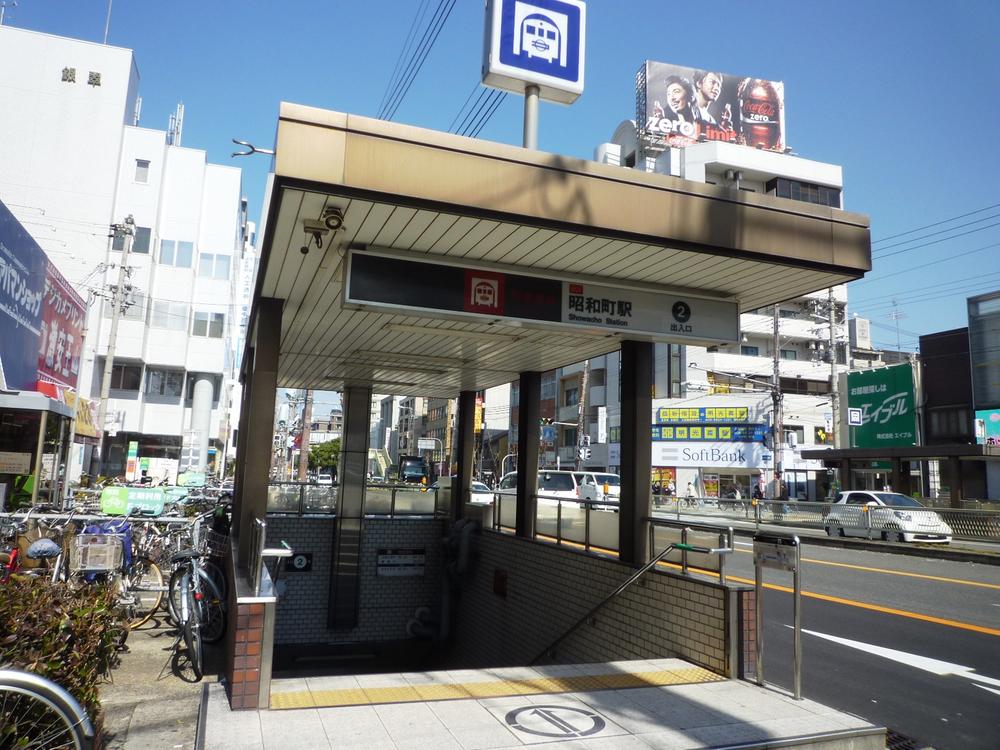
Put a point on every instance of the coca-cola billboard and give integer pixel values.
(680, 106)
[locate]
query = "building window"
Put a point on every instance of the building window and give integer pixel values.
(571, 397)
(142, 170)
(789, 354)
(126, 377)
(176, 253)
(804, 191)
(597, 378)
(569, 437)
(189, 387)
(212, 266)
(208, 324)
(548, 389)
(750, 351)
(170, 315)
(164, 383)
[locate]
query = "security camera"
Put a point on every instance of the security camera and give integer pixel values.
(333, 218)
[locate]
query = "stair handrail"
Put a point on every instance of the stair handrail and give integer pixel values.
(623, 586)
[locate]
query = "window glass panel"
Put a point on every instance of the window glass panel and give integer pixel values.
(126, 377)
(571, 397)
(141, 170)
(222, 266)
(205, 263)
(789, 354)
(216, 325)
(185, 251)
(140, 244)
(118, 241)
(199, 325)
(750, 351)
(167, 248)
(164, 382)
(135, 306)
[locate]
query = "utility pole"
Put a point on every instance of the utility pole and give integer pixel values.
(304, 438)
(832, 313)
(127, 228)
(581, 415)
(777, 424)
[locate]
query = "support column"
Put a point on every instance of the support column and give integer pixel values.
(466, 452)
(529, 433)
(257, 422)
(352, 473)
(955, 481)
(636, 450)
(846, 483)
(246, 380)
(201, 417)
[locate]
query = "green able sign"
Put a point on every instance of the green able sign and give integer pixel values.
(880, 406)
(117, 501)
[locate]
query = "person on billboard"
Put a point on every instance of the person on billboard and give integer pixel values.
(707, 88)
(680, 100)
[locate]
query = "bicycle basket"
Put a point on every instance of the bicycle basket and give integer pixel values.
(96, 552)
(214, 543)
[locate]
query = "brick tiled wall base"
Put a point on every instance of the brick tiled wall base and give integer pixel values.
(243, 676)
(549, 588)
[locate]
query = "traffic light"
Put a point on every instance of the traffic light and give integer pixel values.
(547, 421)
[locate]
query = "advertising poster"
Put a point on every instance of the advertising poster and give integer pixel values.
(61, 330)
(882, 403)
(988, 427)
(22, 291)
(681, 106)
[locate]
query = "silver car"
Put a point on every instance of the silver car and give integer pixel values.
(886, 515)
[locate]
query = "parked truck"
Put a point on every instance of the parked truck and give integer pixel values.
(412, 469)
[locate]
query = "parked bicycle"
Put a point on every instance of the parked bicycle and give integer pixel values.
(38, 713)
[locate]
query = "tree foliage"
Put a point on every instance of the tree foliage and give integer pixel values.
(324, 455)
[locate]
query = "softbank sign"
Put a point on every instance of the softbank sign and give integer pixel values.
(713, 455)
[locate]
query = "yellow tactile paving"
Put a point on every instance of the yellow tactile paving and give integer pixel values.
(438, 691)
(391, 694)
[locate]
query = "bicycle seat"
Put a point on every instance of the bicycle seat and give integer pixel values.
(44, 549)
(186, 554)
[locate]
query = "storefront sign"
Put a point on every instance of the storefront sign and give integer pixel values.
(15, 463)
(22, 292)
(885, 398)
(61, 338)
(131, 464)
(702, 414)
(86, 422)
(118, 501)
(740, 433)
(401, 562)
(388, 282)
(710, 455)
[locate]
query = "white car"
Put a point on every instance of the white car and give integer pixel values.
(884, 515)
(326, 479)
(554, 486)
(479, 494)
(603, 489)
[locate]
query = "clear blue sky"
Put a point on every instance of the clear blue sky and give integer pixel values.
(904, 94)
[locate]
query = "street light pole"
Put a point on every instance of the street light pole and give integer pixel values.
(777, 425)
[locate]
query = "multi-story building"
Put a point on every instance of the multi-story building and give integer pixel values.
(73, 161)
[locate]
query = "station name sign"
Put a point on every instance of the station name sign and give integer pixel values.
(383, 281)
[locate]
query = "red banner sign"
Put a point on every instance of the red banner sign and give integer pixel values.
(61, 338)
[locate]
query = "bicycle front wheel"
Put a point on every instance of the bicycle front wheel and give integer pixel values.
(36, 714)
(192, 634)
(145, 585)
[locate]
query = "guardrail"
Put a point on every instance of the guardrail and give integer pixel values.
(681, 536)
(877, 522)
(590, 523)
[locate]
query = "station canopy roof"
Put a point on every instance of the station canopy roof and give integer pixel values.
(411, 193)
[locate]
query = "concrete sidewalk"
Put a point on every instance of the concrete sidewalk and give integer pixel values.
(147, 706)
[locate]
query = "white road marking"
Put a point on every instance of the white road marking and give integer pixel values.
(934, 666)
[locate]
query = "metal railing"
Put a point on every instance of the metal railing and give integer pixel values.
(302, 498)
(258, 538)
(682, 535)
(682, 547)
(589, 523)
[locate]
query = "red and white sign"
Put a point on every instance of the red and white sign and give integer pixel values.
(483, 292)
(61, 338)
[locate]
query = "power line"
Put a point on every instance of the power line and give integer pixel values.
(934, 242)
(932, 286)
(416, 60)
(935, 224)
(943, 231)
(924, 265)
(403, 51)
(974, 288)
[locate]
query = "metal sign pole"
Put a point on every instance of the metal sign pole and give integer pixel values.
(797, 619)
(531, 117)
(780, 553)
(758, 577)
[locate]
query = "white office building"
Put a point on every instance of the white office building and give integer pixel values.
(73, 161)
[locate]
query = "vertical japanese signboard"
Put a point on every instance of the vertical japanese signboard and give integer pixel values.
(22, 290)
(884, 399)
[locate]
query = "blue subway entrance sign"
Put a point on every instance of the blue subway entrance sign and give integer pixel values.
(539, 42)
